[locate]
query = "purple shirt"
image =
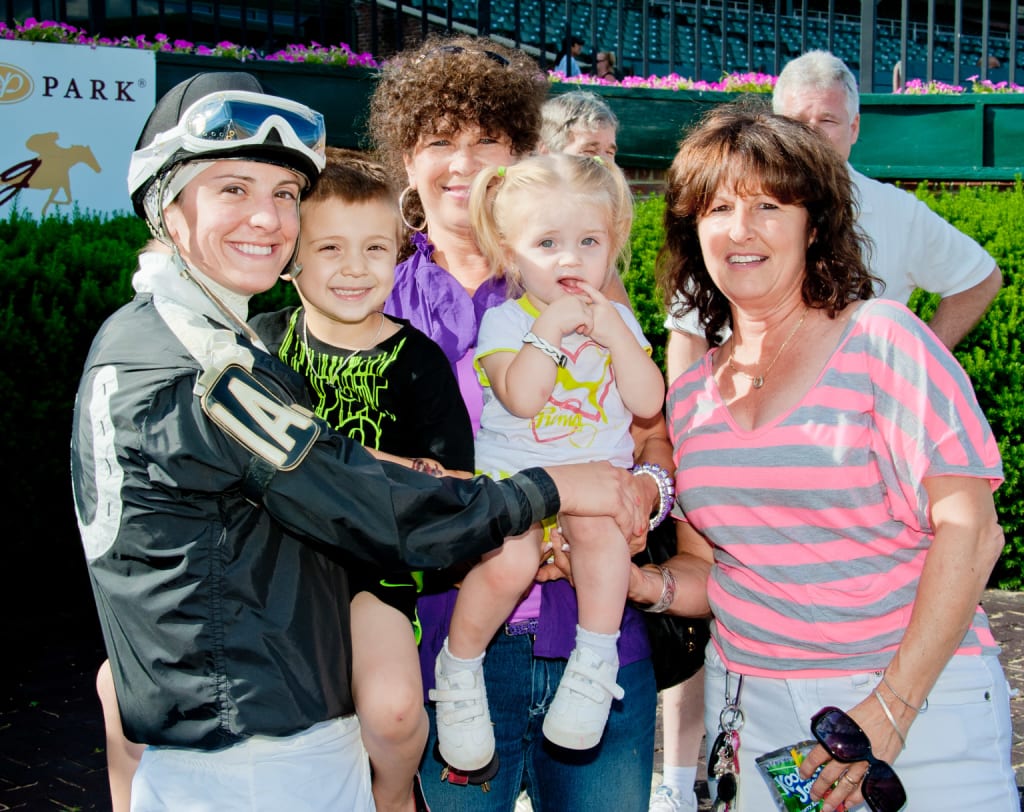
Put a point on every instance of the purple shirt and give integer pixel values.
(435, 303)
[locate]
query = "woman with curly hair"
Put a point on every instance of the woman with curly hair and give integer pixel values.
(835, 513)
(441, 113)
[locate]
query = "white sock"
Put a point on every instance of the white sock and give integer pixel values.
(451, 664)
(603, 645)
(680, 778)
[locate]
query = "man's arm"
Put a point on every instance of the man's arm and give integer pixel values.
(957, 315)
(682, 351)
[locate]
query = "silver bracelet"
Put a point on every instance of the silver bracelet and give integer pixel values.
(890, 717)
(546, 347)
(668, 592)
(666, 490)
(914, 708)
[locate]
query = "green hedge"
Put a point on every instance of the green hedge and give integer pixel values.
(60, 278)
(991, 354)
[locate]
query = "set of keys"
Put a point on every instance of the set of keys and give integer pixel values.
(724, 758)
(724, 765)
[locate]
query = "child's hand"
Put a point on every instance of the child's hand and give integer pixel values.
(555, 558)
(565, 316)
(607, 326)
(425, 465)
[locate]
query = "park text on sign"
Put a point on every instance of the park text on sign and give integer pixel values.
(79, 112)
(95, 89)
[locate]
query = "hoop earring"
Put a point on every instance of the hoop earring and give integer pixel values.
(401, 211)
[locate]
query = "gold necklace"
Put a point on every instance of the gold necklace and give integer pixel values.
(757, 381)
(344, 363)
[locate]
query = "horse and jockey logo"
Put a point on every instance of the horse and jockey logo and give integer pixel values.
(49, 171)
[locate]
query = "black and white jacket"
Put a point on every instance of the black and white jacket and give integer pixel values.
(217, 514)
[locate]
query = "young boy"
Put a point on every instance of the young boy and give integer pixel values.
(387, 385)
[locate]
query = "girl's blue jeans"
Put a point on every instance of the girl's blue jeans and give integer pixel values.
(614, 776)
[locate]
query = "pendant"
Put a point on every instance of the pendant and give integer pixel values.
(757, 381)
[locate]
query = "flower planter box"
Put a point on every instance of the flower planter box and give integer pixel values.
(976, 136)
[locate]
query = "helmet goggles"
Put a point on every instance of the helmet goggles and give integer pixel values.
(238, 118)
(230, 120)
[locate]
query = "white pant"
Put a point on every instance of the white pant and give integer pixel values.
(322, 768)
(957, 755)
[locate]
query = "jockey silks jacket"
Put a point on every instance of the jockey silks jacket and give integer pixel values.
(218, 516)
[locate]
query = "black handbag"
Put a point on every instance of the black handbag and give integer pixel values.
(677, 643)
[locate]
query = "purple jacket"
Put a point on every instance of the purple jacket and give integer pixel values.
(435, 303)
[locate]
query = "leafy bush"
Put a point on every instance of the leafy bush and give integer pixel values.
(991, 354)
(645, 240)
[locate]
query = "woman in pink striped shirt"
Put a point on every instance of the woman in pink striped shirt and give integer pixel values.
(835, 477)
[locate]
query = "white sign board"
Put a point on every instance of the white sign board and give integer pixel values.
(69, 119)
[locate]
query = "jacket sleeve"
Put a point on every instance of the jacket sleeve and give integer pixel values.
(325, 489)
(388, 514)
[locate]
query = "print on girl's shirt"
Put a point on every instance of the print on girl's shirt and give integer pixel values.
(576, 405)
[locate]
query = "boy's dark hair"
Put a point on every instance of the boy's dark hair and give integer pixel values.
(352, 177)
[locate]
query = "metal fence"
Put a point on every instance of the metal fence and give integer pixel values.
(700, 40)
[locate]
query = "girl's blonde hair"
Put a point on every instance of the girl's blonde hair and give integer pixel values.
(497, 189)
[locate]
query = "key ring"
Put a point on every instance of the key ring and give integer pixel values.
(723, 759)
(731, 718)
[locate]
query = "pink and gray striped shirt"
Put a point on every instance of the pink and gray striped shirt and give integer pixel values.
(819, 519)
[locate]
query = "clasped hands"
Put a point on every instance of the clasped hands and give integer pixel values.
(595, 492)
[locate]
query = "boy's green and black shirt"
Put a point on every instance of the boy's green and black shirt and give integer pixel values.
(400, 397)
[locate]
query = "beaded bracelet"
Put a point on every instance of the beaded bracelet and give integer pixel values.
(546, 347)
(666, 489)
(668, 592)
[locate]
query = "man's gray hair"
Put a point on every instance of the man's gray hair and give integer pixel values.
(818, 70)
(576, 109)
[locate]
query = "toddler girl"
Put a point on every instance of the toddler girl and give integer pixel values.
(564, 370)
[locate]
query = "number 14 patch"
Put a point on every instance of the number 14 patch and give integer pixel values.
(279, 433)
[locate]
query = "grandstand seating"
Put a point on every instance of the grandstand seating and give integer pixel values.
(750, 40)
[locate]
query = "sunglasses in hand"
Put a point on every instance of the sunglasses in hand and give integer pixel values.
(845, 742)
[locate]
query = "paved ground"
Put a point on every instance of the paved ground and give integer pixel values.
(51, 730)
